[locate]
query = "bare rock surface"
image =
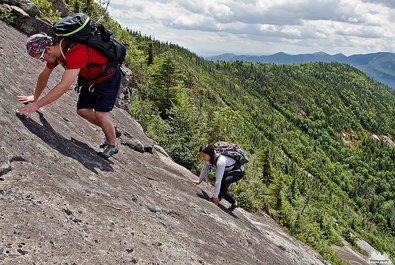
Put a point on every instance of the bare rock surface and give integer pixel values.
(60, 6)
(26, 5)
(60, 203)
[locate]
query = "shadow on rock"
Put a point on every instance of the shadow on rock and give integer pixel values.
(223, 208)
(205, 196)
(72, 148)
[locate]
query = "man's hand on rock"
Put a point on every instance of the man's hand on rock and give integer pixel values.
(27, 109)
(25, 99)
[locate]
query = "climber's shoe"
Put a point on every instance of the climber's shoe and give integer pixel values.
(118, 134)
(109, 151)
(232, 207)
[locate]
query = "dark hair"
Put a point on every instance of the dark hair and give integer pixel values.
(208, 149)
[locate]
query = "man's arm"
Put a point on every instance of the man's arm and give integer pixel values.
(67, 80)
(55, 93)
(42, 81)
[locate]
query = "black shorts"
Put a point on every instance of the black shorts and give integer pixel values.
(104, 95)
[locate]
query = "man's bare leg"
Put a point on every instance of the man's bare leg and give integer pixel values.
(102, 120)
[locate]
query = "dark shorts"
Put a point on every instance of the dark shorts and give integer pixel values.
(104, 95)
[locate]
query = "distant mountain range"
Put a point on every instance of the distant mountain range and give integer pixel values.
(380, 66)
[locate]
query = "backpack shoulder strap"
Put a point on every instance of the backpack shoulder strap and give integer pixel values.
(235, 165)
(67, 47)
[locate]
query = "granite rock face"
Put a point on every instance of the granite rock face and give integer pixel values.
(60, 203)
(26, 5)
(60, 6)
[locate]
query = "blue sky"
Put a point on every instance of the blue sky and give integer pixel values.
(211, 27)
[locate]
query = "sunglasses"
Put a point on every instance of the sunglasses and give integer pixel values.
(42, 55)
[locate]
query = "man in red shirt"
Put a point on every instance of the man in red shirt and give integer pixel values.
(99, 85)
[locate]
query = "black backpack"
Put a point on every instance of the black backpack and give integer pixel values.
(79, 27)
(232, 150)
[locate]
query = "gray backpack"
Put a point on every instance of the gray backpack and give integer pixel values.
(231, 150)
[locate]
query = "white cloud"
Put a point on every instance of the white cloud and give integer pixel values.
(269, 28)
(257, 26)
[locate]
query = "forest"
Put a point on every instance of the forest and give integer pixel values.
(320, 136)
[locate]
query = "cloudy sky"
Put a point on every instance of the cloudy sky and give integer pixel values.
(211, 27)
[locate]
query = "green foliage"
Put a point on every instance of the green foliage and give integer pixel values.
(88, 7)
(249, 193)
(185, 134)
(146, 114)
(7, 16)
(46, 10)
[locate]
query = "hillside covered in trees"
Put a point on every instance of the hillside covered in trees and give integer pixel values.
(320, 136)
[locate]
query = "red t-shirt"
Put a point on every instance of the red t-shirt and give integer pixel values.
(78, 57)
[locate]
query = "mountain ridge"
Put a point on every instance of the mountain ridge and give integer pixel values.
(377, 65)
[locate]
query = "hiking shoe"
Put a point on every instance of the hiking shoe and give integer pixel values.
(232, 207)
(118, 134)
(109, 151)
